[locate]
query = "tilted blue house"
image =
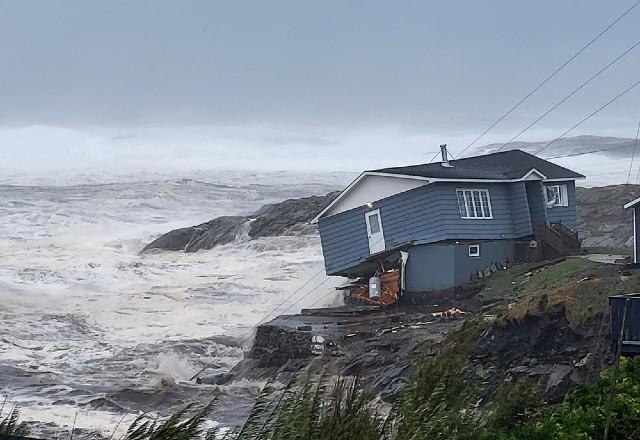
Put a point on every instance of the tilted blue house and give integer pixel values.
(453, 218)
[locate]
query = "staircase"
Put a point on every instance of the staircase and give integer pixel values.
(558, 238)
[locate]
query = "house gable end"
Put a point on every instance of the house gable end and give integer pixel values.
(369, 188)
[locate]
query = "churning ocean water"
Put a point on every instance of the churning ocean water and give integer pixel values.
(90, 327)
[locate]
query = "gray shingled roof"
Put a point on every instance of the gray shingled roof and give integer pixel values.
(512, 164)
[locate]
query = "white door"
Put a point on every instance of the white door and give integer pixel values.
(374, 231)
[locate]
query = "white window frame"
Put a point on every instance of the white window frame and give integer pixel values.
(469, 202)
(563, 196)
(476, 253)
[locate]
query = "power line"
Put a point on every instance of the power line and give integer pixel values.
(633, 154)
(256, 325)
(576, 90)
(287, 298)
(547, 79)
(246, 334)
(305, 296)
(620, 95)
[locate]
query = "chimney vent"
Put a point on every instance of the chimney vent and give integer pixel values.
(445, 156)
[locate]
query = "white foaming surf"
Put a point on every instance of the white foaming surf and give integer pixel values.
(91, 326)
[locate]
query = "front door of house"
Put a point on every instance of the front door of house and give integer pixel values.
(374, 231)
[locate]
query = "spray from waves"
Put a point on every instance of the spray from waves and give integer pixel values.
(90, 325)
(242, 235)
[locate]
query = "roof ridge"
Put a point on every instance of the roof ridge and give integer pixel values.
(457, 160)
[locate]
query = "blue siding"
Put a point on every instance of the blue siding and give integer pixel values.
(430, 267)
(535, 197)
(426, 214)
(490, 252)
(437, 267)
(344, 239)
(564, 214)
(520, 209)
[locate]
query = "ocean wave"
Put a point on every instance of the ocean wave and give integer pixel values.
(90, 325)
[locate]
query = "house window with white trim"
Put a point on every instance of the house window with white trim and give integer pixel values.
(556, 195)
(474, 203)
(474, 250)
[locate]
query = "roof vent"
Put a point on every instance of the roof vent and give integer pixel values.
(445, 156)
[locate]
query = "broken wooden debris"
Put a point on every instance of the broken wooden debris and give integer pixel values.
(450, 313)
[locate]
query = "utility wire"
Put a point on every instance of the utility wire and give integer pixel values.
(307, 295)
(576, 90)
(256, 325)
(246, 334)
(633, 154)
(547, 79)
(582, 121)
(287, 299)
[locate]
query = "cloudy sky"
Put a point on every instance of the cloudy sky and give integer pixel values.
(297, 84)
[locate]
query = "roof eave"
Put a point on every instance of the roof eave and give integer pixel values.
(632, 203)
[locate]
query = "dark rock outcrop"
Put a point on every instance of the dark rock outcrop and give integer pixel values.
(601, 219)
(290, 217)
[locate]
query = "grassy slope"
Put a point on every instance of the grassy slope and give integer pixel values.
(491, 377)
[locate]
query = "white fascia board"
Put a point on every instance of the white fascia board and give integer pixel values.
(401, 176)
(632, 203)
(563, 179)
(534, 171)
(338, 197)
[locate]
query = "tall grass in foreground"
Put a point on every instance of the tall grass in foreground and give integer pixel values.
(10, 424)
(434, 406)
(308, 410)
(316, 410)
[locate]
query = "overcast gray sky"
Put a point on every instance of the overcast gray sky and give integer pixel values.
(84, 80)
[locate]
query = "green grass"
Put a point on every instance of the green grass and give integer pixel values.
(520, 280)
(583, 414)
(610, 250)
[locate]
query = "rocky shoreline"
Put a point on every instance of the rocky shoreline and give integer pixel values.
(290, 217)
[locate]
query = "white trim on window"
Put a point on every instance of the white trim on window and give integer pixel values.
(474, 250)
(562, 195)
(477, 203)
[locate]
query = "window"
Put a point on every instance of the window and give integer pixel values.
(374, 223)
(474, 203)
(474, 250)
(556, 195)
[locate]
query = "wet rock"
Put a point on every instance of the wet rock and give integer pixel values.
(275, 345)
(104, 404)
(558, 381)
(290, 217)
(216, 379)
